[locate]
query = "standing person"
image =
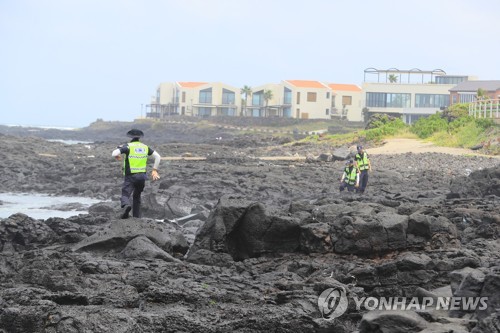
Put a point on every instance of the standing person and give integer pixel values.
(350, 177)
(364, 165)
(134, 171)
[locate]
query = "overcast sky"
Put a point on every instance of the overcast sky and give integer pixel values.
(70, 62)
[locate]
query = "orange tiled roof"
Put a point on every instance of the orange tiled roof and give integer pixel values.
(306, 84)
(191, 84)
(344, 87)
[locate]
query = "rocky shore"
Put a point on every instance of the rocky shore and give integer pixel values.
(238, 244)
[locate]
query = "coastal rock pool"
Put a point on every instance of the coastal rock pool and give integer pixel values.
(42, 206)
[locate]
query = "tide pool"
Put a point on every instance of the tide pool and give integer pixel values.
(42, 206)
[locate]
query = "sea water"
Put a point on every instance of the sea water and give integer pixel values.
(41, 206)
(69, 142)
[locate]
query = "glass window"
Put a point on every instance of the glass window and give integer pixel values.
(388, 100)
(327, 112)
(467, 98)
(287, 96)
(183, 97)
(287, 112)
(204, 111)
(257, 98)
(228, 111)
(327, 95)
(228, 96)
(311, 97)
(431, 101)
(298, 97)
(450, 79)
(206, 96)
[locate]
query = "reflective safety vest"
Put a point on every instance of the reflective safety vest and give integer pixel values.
(362, 161)
(137, 157)
(350, 175)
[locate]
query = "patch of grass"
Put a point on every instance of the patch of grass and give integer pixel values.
(404, 133)
(384, 130)
(443, 139)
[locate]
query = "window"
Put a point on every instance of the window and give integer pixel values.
(228, 111)
(412, 118)
(431, 101)
(467, 98)
(311, 97)
(298, 98)
(257, 98)
(346, 100)
(183, 97)
(327, 95)
(333, 101)
(287, 112)
(228, 96)
(450, 79)
(327, 112)
(204, 112)
(206, 96)
(388, 100)
(287, 96)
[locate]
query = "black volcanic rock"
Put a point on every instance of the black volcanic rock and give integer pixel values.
(267, 238)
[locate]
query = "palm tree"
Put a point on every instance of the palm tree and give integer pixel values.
(268, 95)
(393, 78)
(247, 91)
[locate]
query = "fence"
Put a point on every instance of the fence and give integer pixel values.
(485, 109)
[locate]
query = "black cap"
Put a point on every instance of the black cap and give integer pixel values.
(359, 147)
(135, 133)
(351, 161)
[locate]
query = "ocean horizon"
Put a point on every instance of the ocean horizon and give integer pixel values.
(67, 128)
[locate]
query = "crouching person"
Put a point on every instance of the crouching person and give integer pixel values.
(350, 177)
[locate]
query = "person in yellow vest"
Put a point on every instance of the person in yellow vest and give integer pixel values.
(364, 165)
(350, 177)
(134, 171)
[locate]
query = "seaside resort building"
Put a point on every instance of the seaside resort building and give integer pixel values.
(291, 99)
(409, 94)
(194, 99)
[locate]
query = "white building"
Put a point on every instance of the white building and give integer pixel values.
(410, 94)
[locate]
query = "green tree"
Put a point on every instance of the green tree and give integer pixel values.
(268, 95)
(393, 78)
(482, 95)
(246, 91)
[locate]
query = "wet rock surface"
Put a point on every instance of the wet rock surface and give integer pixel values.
(233, 244)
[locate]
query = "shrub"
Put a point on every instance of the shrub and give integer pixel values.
(391, 127)
(425, 127)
